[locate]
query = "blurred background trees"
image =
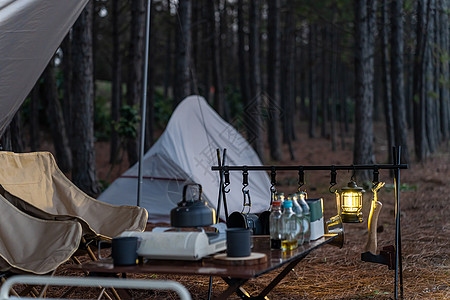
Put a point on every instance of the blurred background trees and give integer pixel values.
(270, 67)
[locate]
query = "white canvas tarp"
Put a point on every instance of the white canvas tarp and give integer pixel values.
(185, 153)
(30, 33)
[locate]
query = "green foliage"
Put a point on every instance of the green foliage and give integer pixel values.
(128, 122)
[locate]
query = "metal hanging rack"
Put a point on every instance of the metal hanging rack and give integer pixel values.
(396, 166)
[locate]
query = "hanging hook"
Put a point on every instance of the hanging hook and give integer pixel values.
(247, 201)
(226, 174)
(301, 178)
(332, 179)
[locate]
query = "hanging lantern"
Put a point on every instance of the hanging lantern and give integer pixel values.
(349, 203)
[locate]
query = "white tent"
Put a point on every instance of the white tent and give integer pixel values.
(185, 153)
(30, 33)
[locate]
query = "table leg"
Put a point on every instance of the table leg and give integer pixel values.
(279, 277)
(234, 285)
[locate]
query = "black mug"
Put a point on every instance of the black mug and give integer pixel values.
(124, 250)
(239, 242)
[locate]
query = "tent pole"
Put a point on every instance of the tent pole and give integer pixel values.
(143, 106)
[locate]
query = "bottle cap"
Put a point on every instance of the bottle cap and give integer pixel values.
(287, 204)
(276, 203)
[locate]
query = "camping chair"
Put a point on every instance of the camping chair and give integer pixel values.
(29, 245)
(33, 183)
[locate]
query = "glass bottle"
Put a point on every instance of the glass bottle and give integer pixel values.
(275, 225)
(289, 227)
(299, 213)
(306, 228)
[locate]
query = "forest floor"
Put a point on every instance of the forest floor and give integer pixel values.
(333, 273)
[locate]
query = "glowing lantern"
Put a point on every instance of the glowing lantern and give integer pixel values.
(349, 203)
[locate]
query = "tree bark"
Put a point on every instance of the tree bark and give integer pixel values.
(183, 57)
(35, 141)
(420, 137)
(445, 74)
(149, 137)
(116, 90)
(253, 111)
(168, 54)
(56, 119)
(398, 86)
(386, 78)
(243, 63)
(219, 97)
(66, 47)
(429, 81)
(312, 82)
(83, 150)
(135, 69)
(273, 79)
(364, 68)
(324, 83)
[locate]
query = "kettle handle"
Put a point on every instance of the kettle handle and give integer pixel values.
(192, 184)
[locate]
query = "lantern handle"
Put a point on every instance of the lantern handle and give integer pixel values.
(353, 174)
(333, 179)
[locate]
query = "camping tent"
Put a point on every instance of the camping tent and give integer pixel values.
(185, 153)
(30, 33)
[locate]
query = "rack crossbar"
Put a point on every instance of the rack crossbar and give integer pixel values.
(310, 168)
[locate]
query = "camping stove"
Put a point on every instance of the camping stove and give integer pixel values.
(178, 245)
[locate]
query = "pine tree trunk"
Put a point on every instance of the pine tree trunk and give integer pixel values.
(56, 119)
(429, 81)
(273, 79)
(66, 47)
(420, 137)
(364, 66)
(444, 6)
(215, 52)
(253, 111)
(386, 78)
(243, 63)
(116, 90)
(312, 82)
(82, 142)
(15, 128)
(149, 138)
(135, 69)
(167, 54)
(324, 80)
(35, 141)
(182, 60)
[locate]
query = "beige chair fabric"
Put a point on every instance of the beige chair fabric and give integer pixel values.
(34, 184)
(32, 245)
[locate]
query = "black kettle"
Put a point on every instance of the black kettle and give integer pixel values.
(192, 212)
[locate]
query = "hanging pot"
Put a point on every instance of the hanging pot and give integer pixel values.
(245, 220)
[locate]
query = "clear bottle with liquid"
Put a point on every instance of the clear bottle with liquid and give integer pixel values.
(298, 210)
(302, 196)
(275, 225)
(289, 227)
